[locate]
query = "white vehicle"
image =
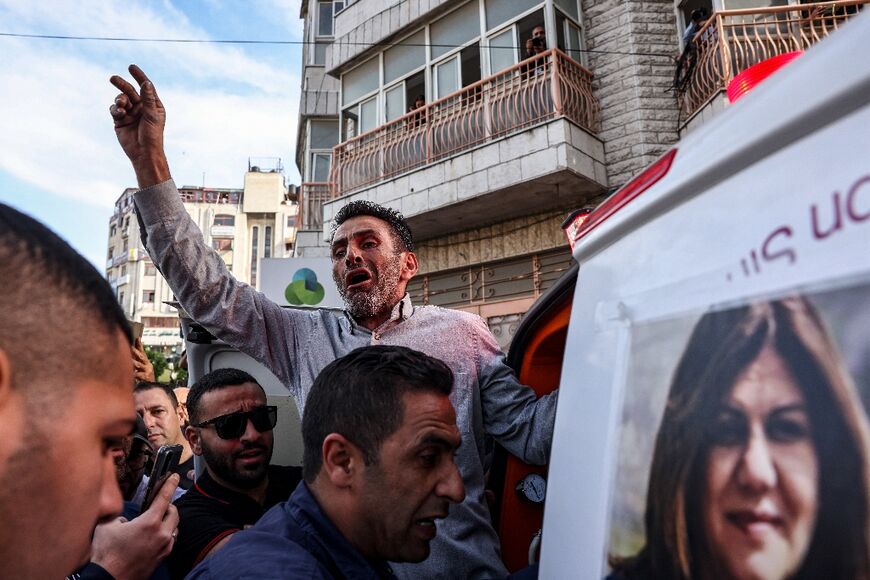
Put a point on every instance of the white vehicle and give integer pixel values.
(762, 216)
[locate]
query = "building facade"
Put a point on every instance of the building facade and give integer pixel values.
(242, 225)
(485, 138)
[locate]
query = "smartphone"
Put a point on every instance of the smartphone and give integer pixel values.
(165, 464)
(137, 328)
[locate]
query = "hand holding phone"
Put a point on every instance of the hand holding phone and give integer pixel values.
(165, 464)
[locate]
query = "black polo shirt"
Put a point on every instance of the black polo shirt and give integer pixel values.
(209, 512)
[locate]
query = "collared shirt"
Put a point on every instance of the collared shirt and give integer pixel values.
(209, 512)
(294, 539)
(296, 344)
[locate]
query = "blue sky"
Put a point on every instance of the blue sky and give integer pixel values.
(59, 160)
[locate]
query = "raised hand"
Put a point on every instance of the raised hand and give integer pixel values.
(139, 121)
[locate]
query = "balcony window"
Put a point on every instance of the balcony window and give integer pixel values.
(406, 56)
(503, 49)
(455, 29)
(324, 18)
(500, 11)
(150, 270)
(360, 81)
(291, 221)
(224, 220)
(148, 296)
(569, 38)
(320, 163)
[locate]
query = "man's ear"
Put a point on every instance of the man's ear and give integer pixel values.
(342, 460)
(11, 405)
(194, 438)
(409, 266)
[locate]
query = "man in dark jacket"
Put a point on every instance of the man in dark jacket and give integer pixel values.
(379, 434)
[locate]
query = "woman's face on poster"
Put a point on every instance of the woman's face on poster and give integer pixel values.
(760, 501)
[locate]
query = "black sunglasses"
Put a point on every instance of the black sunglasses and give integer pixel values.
(232, 426)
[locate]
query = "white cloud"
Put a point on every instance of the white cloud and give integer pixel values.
(222, 104)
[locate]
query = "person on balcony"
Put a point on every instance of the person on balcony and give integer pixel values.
(536, 45)
(373, 262)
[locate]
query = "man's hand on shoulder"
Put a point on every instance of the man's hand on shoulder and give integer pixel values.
(139, 119)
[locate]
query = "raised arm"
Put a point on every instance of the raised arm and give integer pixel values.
(231, 310)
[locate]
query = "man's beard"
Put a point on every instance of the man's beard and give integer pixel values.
(222, 466)
(378, 298)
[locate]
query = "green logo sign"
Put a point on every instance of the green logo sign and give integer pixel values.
(304, 289)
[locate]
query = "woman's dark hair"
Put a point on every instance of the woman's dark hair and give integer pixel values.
(723, 344)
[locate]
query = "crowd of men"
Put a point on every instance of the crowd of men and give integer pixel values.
(398, 404)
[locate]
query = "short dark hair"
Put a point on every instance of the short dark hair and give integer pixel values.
(360, 396)
(401, 231)
(217, 379)
(147, 386)
(48, 286)
(699, 14)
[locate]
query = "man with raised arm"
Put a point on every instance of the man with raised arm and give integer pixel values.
(373, 260)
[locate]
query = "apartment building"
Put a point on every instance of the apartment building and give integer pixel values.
(485, 139)
(242, 225)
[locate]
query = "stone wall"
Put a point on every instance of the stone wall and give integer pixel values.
(632, 44)
(516, 237)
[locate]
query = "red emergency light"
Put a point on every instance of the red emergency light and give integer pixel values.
(754, 75)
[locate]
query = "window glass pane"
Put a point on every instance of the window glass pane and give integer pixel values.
(324, 134)
(570, 8)
(502, 50)
(350, 123)
(574, 43)
(255, 236)
(361, 80)
(447, 81)
(324, 18)
(470, 59)
(320, 52)
(395, 98)
(500, 11)
(405, 57)
(368, 115)
(321, 167)
(455, 29)
(267, 243)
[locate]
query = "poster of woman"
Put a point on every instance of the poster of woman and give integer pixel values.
(746, 454)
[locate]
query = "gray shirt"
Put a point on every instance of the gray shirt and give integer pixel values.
(296, 344)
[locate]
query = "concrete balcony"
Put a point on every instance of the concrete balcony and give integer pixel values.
(519, 142)
(733, 40)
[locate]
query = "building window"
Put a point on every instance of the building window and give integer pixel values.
(224, 220)
(111, 252)
(222, 244)
(113, 230)
(267, 242)
(124, 270)
(291, 221)
(125, 246)
(121, 298)
(255, 247)
(147, 296)
(150, 270)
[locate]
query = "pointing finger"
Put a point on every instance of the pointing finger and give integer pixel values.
(125, 88)
(137, 73)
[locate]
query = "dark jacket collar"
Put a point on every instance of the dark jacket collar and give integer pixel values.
(328, 545)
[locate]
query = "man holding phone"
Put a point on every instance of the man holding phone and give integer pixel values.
(157, 405)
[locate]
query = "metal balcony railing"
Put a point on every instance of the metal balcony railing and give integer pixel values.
(733, 40)
(544, 87)
(311, 198)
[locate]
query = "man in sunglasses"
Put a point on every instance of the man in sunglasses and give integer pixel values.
(231, 429)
